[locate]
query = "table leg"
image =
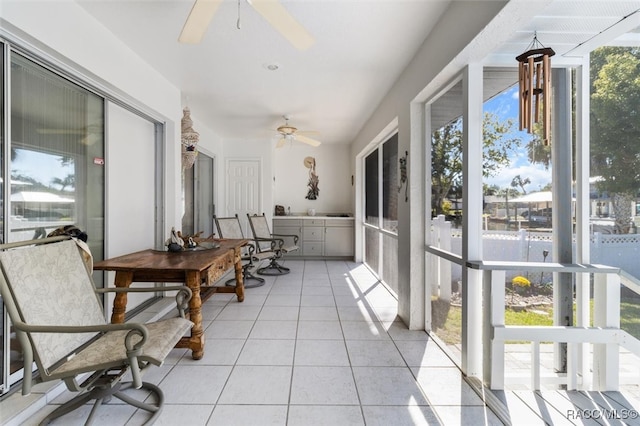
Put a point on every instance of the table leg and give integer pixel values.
(123, 280)
(196, 341)
(239, 277)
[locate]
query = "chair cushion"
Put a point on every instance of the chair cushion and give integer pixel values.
(109, 350)
(263, 255)
(287, 249)
(51, 286)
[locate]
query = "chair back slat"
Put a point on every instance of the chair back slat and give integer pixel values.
(49, 285)
(229, 227)
(260, 229)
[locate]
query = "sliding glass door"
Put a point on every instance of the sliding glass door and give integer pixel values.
(55, 164)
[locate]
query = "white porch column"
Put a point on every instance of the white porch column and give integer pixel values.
(472, 83)
(411, 229)
(562, 251)
(583, 252)
(429, 259)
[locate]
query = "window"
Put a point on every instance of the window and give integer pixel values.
(381, 211)
(57, 143)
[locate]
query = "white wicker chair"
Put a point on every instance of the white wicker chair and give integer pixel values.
(57, 316)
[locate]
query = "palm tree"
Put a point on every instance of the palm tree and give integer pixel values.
(519, 182)
(68, 181)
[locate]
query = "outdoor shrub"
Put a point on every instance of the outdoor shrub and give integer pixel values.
(520, 284)
(520, 281)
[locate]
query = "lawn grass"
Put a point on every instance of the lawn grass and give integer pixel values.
(537, 316)
(450, 330)
(630, 316)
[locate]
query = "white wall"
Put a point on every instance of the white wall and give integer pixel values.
(291, 178)
(131, 214)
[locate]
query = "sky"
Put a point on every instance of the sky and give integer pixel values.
(40, 166)
(505, 105)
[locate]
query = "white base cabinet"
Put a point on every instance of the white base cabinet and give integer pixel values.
(318, 236)
(339, 238)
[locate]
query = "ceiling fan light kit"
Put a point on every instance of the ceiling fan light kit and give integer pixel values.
(290, 133)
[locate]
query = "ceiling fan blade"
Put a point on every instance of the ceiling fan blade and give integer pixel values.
(281, 143)
(308, 132)
(307, 140)
(198, 21)
(284, 23)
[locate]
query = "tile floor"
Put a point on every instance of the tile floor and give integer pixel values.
(319, 346)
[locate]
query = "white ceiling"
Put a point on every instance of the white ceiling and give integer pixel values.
(575, 27)
(361, 48)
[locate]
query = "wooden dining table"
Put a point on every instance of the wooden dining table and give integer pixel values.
(198, 269)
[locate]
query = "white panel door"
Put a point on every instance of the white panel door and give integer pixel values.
(243, 190)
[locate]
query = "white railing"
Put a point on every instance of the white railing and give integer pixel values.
(510, 253)
(620, 250)
(605, 335)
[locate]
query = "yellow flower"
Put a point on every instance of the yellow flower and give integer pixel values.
(520, 281)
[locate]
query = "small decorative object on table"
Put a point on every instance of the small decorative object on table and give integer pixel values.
(174, 243)
(178, 242)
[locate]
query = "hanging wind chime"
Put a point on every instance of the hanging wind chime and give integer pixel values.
(534, 76)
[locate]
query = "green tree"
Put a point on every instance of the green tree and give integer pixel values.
(490, 189)
(540, 153)
(615, 127)
(68, 181)
(537, 151)
(508, 193)
(518, 182)
(446, 155)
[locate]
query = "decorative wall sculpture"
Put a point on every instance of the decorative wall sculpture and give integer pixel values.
(403, 176)
(314, 191)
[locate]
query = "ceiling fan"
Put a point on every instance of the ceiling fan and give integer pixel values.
(272, 10)
(290, 133)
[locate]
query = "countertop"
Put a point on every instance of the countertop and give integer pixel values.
(318, 216)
